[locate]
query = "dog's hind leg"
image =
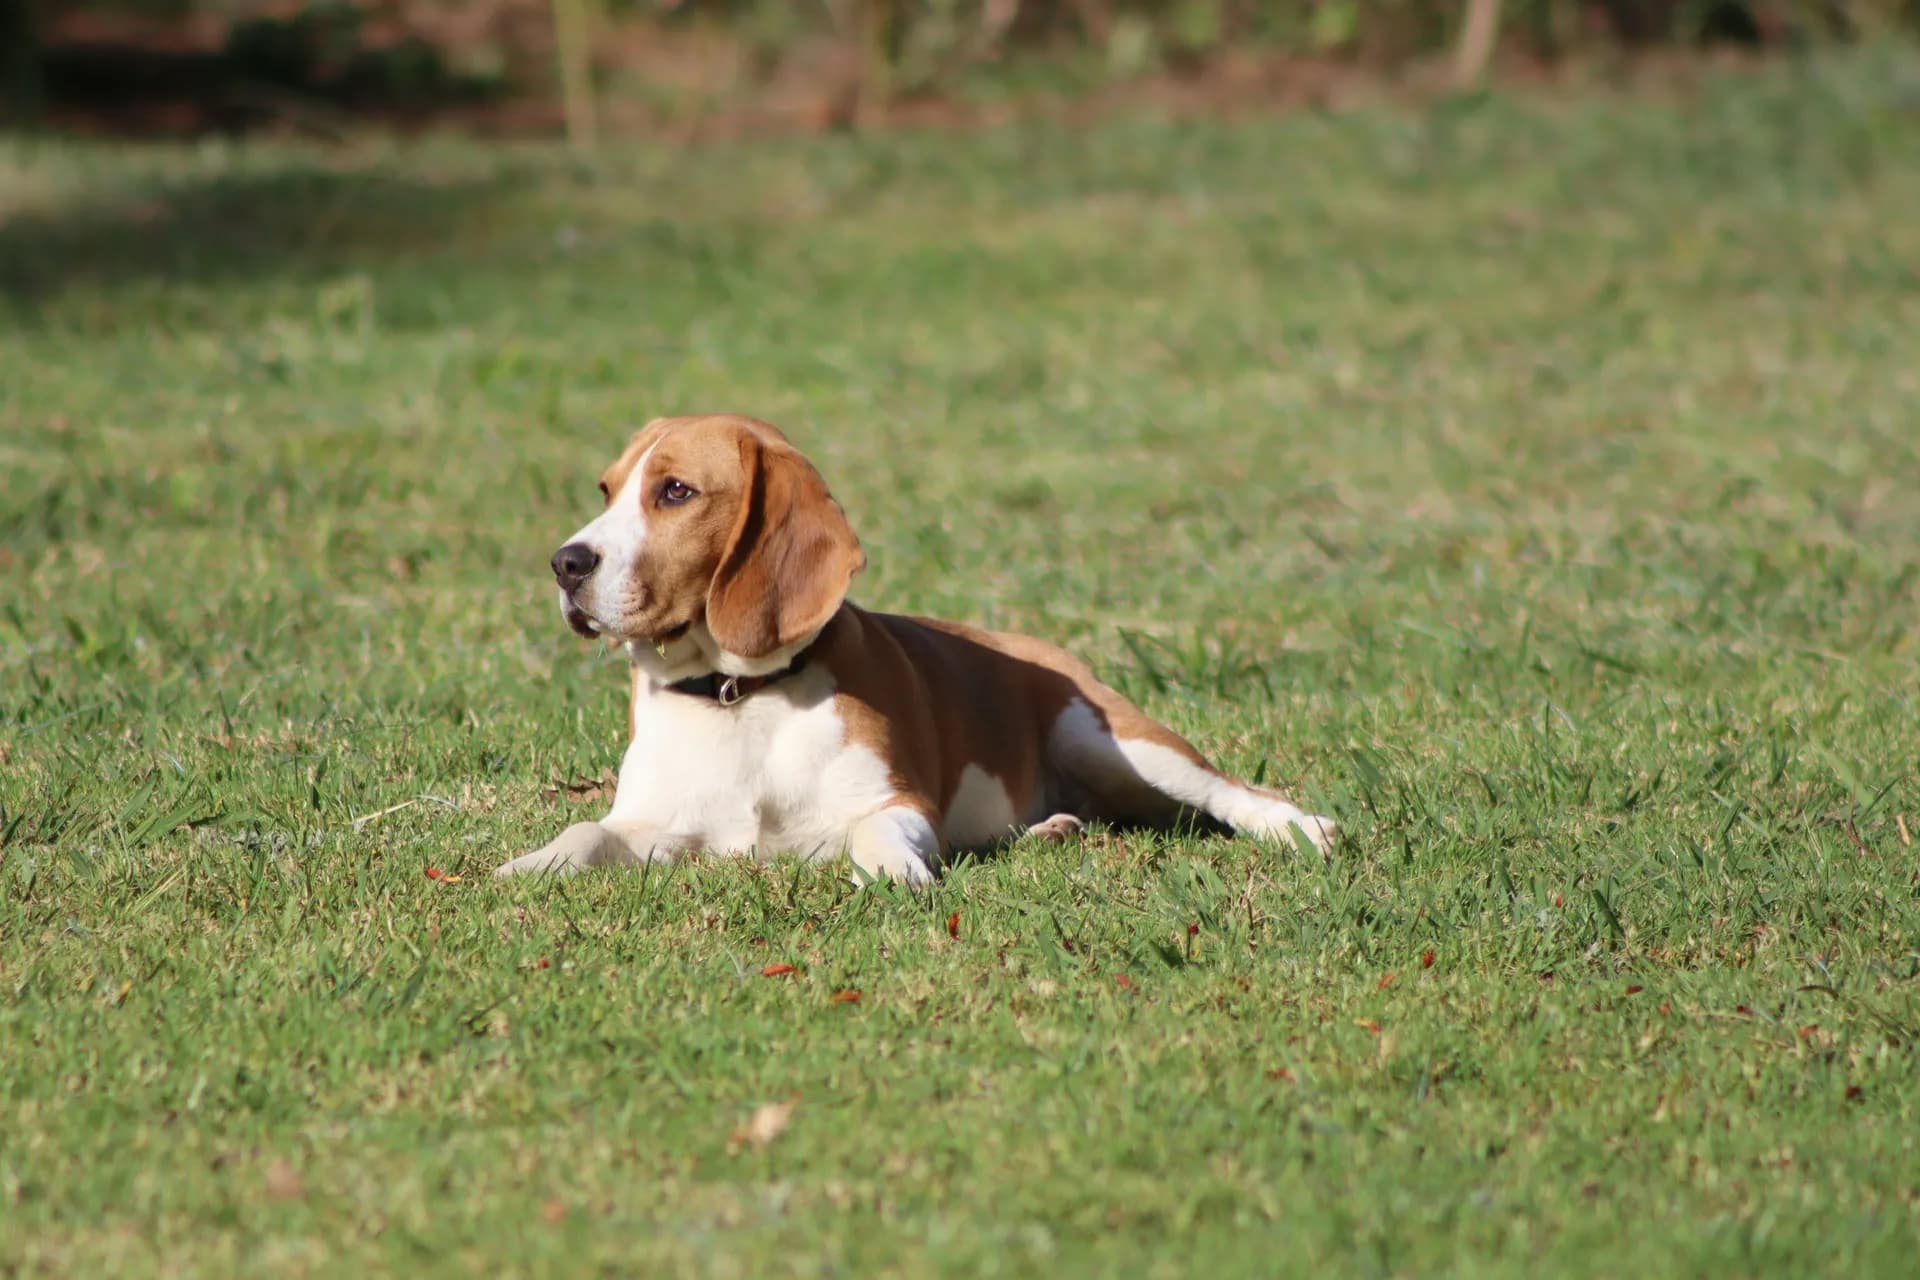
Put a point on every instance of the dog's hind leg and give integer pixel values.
(1059, 828)
(1132, 770)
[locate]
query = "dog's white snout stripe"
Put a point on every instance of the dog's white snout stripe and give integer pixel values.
(615, 537)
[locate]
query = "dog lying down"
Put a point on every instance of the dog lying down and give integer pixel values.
(771, 715)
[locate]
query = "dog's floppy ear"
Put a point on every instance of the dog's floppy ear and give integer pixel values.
(792, 554)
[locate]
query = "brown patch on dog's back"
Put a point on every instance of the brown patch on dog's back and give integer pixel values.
(936, 697)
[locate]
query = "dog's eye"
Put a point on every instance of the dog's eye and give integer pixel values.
(675, 492)
(606, 494)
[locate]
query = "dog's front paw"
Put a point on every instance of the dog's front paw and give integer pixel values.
(901, 867)
(897, 844)
(582, 845)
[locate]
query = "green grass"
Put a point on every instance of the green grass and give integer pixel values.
(1536, 486)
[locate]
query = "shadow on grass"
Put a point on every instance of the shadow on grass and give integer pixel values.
(287, 223)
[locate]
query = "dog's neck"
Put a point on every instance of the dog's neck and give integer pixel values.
(695, 656)
(730, 690)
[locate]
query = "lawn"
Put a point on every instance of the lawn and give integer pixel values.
(1532, 483)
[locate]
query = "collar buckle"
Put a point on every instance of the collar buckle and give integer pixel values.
(730, 691)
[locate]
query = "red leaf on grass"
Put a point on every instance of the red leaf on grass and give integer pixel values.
(1193, 930)
(544, 963)
(845, 997)
(953, 925)
(1368, 1023)
(777, 971)
(1426, 958)
(1279, 1073)
(1386, 981)
(1122, 981)
(1635, 989)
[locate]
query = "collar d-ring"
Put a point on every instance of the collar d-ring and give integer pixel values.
(730, 691)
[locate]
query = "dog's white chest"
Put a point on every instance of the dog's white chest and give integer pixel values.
(771, 774)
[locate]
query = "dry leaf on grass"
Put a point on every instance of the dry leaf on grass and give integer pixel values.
(580, 790)
(767, 1122)
(283, 1181)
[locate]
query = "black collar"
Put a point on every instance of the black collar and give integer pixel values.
(727, 690)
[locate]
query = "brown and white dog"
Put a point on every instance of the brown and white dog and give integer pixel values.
(770, 715)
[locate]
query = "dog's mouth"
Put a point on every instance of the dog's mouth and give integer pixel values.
(585, 624)
(578, 620)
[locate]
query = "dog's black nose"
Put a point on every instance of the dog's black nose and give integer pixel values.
(573, 563)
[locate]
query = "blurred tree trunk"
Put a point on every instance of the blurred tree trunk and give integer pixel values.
(880, 34)
(21, 90)
(1479, 33)
(573, 22)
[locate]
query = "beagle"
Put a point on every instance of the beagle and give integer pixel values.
(771, 715)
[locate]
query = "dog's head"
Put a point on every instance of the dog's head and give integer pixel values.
(719, 549)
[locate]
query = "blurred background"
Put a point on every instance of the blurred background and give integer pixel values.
(690, 68)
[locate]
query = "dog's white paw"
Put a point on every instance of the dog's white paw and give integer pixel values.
(896, 844)
(1323, 832)
(1279, 820)
(901, 868)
